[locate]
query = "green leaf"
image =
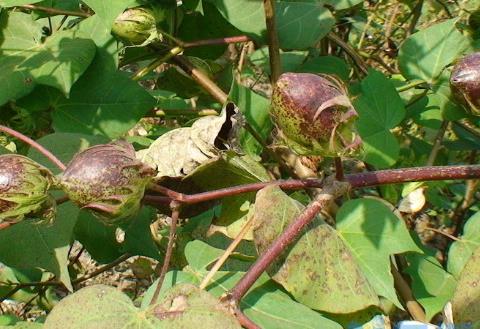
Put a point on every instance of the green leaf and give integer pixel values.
(95, 307)
(327, 65)
(138, 236)
(199, 254)
(100, 306)
(291, 60)
(28, 244)
(58, 62)
(12, 3)
(380, 109)
(19, 32)
(342, 4)
(265, 303)
(255, 108)
(97, 238)
(373, 233)
(206, 24)
(109, 10)
(24, 325)
(425, 54)
(114, 104)
(465, 305)
(461, 250)
(432, 286)
(441, 98)
(301, 24)
(64, 146)
(318, 270)
(61, 60)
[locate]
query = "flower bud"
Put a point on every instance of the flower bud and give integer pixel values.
(465, 82)
(137, 25)
(24, 186)
(107, 179)
(314, 115)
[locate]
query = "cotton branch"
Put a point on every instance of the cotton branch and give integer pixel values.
(332, 190)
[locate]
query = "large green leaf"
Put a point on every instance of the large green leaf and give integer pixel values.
(461, 250)
(426, 53)
(299, 24)
(19, 32)
(318, 270)
(380, 109)
(58, 62)
(113, 106)
(373, 233)
(432, 286)
(29, 244)
(466, 301)
(265, 303)
(102, 307)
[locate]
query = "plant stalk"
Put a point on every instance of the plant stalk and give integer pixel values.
(55, 11)
(330, 192)
(273, 42)
(35, 145)
(168, 254)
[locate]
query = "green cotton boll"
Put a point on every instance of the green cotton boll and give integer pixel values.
(108, 180)
(24, 186)
(314, 115)
(139, 25)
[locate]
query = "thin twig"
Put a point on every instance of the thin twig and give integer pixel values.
(405, 292)
(273, 42)
(357, 59)
(442, 233)
(231, 248)
(168, 254)
(218, 41)
(437, 143)
(417, 12)
(35, 145)
(330, 192)
(55, 11)
(102, 269)
(410, 85)
(201, 79)
(156, 63)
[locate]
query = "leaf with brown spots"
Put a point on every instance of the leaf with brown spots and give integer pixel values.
(319, 270)
(466, 300)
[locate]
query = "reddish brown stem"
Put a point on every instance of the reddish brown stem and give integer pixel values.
(34, 144)
(168, 254)
(219, 41)
(381, 177)
(289, 235)
(245, 321)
